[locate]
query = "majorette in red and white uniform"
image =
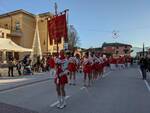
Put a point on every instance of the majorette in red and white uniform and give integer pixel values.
(61, 70)
(112, 62)
(121, 62)
(100, 65)
(72, 66)
(96, 62)
(128, 61)
(87, 65)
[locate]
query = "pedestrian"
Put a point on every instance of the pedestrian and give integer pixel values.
(11, 66)
(61, 79)
(143, 67)
(18, 66)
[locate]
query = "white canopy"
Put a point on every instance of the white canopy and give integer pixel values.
(8, 45)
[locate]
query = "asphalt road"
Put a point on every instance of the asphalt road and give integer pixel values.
(120, 91)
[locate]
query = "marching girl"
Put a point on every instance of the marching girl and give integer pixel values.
(72, 67)
(121, 62)
(128, 61)
(95, 67)
(87, 69)
(112, 62)
(100, 66)
(61, 79)
(92, 61)
(78, 62)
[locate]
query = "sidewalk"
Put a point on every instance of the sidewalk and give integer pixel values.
(7, 83)
(4, 72)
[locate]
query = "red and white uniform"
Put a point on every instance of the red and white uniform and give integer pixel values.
(96, 64)
(61, 71)
(87, 65)
(72, 66)
(121, 62)
(51, 63)
(101, 66)
(112, 62)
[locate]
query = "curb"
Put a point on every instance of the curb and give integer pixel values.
(24, 84)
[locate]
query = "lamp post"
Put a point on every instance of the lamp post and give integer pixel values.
(143, 50)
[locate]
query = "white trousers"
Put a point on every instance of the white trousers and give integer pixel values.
(112, 66)
(52, 72)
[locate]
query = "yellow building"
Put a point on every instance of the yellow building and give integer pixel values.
(22, 25)
(4, 33)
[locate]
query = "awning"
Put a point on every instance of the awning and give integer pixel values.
(9, 45)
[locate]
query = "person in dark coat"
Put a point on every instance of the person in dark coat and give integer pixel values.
(18, 66)
(11, 66)
(143, 67)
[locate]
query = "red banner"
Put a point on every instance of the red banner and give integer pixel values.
(57, 28)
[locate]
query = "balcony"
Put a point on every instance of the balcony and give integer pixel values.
(16, 33)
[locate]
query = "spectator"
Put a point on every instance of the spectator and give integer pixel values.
(10, 66)
(18, 65)
(143, 67)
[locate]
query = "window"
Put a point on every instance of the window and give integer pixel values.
(126, 51)
(117, 47)
(2, 35)
(17, 25)
(6, 26)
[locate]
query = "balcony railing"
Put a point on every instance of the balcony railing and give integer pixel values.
(16, 33)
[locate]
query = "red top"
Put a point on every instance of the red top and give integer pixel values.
(121, 60)
(51, 63)
(112, 61)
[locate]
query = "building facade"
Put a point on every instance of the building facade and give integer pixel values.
(143, 54)
(116, 49)
(22, 26)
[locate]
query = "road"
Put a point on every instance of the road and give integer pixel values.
(119, 91)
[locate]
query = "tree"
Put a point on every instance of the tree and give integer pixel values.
(73, 38)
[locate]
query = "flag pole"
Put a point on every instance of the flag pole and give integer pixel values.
(56, 8)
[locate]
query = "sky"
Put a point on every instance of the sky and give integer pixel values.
(95, 20)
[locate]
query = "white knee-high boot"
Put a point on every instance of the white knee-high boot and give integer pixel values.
(59, 102)
(63, 102)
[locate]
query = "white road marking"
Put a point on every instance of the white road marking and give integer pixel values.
(146, 83)
(55, 103)
(140, 72)
(106, 74)
(82, 88)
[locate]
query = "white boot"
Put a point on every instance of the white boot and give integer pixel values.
(84, 83)
(59, 102)
(63, 103)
